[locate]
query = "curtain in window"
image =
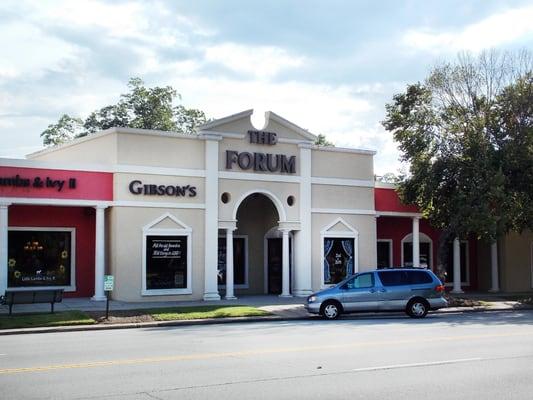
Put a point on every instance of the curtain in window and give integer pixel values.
(347, 245)
(328, 245)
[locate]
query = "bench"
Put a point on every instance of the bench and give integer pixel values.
(51, 296)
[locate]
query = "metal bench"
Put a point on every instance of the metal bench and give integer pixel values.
(51, 296)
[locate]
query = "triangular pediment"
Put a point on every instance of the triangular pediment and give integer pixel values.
(166, 221)
(241, 123)
(340, 226)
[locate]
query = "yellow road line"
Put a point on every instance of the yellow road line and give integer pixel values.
(206, 356)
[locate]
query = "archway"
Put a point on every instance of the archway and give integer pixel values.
(256, 213)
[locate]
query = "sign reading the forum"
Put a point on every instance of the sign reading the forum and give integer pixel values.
(261, 161)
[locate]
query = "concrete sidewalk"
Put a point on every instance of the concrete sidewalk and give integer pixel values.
(282, 309)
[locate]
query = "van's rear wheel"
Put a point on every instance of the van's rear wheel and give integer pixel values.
(330, 310)
(417, 308)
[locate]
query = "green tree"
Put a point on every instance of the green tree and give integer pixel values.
(322, 141)
(466, 133)
(63, 131)
(141, 107)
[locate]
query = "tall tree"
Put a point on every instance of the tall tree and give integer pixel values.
(141, 107)
(466, 133)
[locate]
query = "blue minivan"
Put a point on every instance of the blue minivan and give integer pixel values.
(415, 291)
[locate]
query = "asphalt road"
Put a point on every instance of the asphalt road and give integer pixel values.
(464, 356)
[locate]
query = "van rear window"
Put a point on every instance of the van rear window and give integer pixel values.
(418, 277)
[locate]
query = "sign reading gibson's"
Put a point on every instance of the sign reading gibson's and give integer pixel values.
(137, 187)
(261, 161)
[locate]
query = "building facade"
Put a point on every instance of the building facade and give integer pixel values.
(233, 210)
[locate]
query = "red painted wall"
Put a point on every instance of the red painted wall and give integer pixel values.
(396, 228)
(81, 218)
(388, 200)
(89, 185)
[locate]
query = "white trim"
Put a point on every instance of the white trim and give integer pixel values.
(424, 238)
(55, 202)
(148, 230)
(228, 135)
(294, 141)
(72, 286)
(258, 177)
(342, 182)
(246, 284)
(350, 233)
(225, 120)
(277, 203)
(385, 185)
(153, 204)
(275, 233)
(104, 168)
(398, 214)
(272, 116)
(351, 211)
(147, 170)
(345, 150)
(390, 242)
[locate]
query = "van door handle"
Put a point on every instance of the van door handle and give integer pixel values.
(372, 290)
(382, 290)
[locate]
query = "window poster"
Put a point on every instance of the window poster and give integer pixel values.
(39, 258)
(166, 262)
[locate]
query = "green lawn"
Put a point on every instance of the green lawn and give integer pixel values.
(181, 313)
(34, 320)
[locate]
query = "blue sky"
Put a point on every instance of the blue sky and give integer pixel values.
(328, 66)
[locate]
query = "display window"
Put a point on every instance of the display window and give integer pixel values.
(338, 259)
(41, 258)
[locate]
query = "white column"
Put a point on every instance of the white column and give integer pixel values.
(99, 255)
(3, 247)
(211, 218)
(456, 266)
(494, 267)
(229, 265)
(416, 243)
(302, 238)
(285, 288)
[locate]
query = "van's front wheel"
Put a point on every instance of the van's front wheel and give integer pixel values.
(330, 310)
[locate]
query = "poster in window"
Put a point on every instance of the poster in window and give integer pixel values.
(166, 262)
(338, 259)
(239, 249)
(39, 258)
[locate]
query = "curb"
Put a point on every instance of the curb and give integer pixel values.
(233, 320)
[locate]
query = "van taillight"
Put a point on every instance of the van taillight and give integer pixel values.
(439, 288)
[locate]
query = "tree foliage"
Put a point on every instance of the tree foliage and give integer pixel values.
(467, 134)
(322, 141)
(141, 107)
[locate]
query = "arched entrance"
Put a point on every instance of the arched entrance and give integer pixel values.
(261, 257)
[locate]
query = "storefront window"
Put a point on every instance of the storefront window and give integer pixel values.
(166, 262)
(425, 255)
(239, 261)
(384, 252)
(338, 259)
(39, 258)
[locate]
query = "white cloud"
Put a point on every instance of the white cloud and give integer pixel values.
(258, 61)
(492, 31)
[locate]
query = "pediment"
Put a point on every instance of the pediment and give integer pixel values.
(241, 123)
(166, 221)
(340, 226)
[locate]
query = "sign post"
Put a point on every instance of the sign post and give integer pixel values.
(109, 281)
